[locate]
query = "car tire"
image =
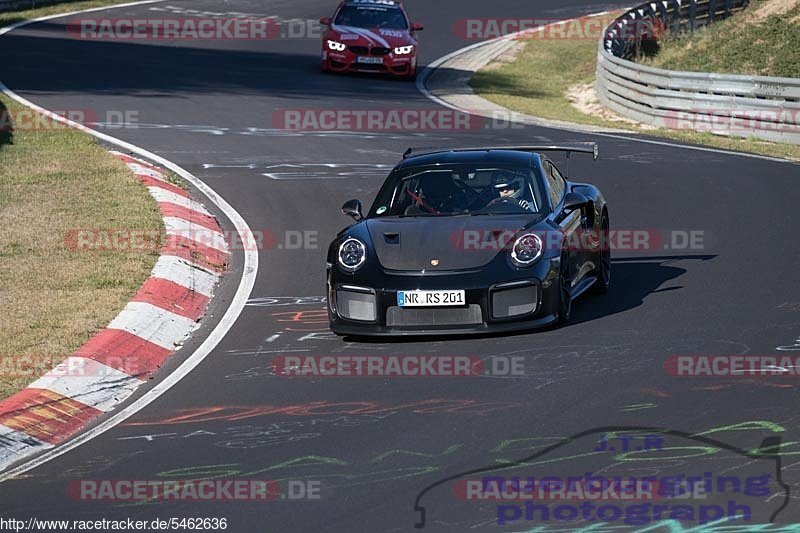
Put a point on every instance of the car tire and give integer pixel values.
(564, 296)
(603, 282)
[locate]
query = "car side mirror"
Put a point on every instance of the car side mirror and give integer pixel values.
(325, 20)
(574, 201)
(416, 26)
(352, 208)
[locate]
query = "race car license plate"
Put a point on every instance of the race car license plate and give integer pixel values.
(370, 60)
(429, 298)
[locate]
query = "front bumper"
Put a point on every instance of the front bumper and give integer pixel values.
(523, 299)
(390, 64)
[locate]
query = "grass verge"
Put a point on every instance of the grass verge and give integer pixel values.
(55, 298)
(763, 40)
(544, 77)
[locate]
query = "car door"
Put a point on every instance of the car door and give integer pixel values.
(570, 224)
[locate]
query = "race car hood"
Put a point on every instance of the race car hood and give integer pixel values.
(459, 242)
(352, 36)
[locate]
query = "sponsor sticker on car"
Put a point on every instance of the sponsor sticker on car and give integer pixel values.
(430, 298)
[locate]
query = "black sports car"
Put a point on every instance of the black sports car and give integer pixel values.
(469, 241)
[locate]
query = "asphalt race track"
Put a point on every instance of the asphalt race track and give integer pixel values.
(375, 444)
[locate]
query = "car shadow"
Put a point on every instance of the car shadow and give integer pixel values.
(633, 279)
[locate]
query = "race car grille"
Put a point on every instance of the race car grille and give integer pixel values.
(361, 50)
(380, 51)
(405, 317)
(514, 301)
(356, 305)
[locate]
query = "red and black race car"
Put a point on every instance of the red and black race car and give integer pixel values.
(370, 36)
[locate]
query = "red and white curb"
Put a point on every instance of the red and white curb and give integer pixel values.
(120, 358)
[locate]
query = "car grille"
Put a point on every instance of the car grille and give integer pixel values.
(510, 302)
(356, 305)
(404, 317)
(365, 51)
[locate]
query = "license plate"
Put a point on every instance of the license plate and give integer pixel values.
(370, 60)
(430, 298)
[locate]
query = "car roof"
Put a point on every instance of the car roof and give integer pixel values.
(379, 3)
(469, 157)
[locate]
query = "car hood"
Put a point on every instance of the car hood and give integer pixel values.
(352, 36)
(457, 242)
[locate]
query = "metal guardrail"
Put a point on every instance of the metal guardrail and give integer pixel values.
(742, 106)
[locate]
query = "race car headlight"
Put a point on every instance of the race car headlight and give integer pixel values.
(403, 50)
(336, 46)
(526, 250)
(352, 254)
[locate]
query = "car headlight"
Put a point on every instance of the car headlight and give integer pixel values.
(404, 50)
(526, 250)
(352, 254)
(336, 46)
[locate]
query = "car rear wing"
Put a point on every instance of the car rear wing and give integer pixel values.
(582, 147)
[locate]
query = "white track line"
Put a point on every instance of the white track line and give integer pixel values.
(250, 269)
(431, 67)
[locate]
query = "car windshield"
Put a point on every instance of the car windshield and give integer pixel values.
(459, 190)
(372, 17)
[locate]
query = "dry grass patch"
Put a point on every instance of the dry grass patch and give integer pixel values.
(55, 298)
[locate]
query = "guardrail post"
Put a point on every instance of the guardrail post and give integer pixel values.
(662, 11)
(676, 20)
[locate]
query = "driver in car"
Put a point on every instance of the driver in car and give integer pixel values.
(510, 189)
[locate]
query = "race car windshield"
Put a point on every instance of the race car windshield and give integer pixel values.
(390, 18)
(459, 190)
